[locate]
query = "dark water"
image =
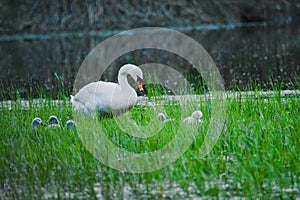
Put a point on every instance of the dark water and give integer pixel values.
(260, 55)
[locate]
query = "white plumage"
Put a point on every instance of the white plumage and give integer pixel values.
(107, 98)
(195, 117)
(162, 117)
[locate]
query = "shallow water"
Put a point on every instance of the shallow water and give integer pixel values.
(142, 101)
(260, 53)
(172, 190)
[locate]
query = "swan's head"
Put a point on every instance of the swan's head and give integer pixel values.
(134, 71)
(53, 120)
(36, 122)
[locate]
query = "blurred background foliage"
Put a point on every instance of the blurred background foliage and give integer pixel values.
(65, 15)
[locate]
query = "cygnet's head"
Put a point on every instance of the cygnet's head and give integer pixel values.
(161, 117)
(36, 122)
(197, 114)
(53, 120)
(70, 124)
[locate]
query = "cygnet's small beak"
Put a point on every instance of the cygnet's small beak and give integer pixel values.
(140, 85)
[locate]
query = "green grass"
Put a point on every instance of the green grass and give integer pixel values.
(257, 155)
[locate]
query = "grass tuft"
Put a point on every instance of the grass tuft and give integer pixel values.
(257, 155)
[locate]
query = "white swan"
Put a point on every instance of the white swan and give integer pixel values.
(107, 98)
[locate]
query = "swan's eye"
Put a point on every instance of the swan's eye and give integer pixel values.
(139, 79)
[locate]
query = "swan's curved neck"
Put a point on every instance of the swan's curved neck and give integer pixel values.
(123, 82)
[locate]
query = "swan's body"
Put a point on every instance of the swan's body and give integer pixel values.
(195, 118)
(107, 98)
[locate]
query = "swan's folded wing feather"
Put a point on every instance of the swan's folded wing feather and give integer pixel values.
(106, 98)
(95, 96)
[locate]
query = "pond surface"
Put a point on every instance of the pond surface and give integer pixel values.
(246, 54)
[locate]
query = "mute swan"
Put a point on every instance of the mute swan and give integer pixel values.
(53, 122)
(196, 117)
(107, 98)
(70, 124)
(36, 122)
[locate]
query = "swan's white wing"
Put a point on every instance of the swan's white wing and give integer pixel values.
(81, 100)
(104, 95)
(96, 95)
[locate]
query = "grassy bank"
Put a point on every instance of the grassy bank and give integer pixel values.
(257, 155)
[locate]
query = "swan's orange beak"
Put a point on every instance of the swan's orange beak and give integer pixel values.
(140, 86)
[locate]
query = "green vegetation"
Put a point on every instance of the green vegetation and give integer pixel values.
(257, 155)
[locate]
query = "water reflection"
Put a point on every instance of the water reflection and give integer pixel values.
(244, 55)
